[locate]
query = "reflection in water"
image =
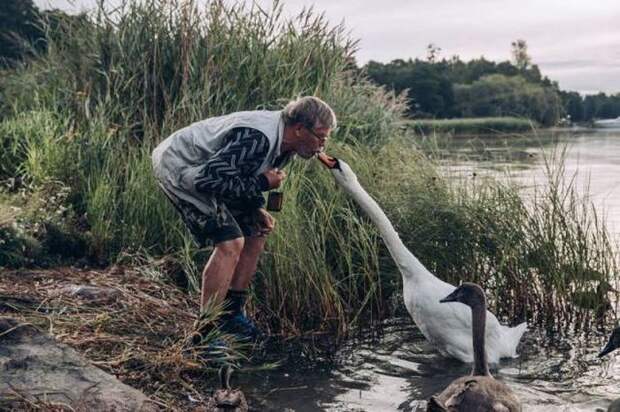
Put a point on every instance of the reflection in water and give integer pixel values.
(399, 372)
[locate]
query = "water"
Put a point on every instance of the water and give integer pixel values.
(401, 370)
(592, 158)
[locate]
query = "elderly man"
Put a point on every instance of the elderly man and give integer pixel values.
(214, 171)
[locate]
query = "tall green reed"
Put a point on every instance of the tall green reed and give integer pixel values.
(123, 80)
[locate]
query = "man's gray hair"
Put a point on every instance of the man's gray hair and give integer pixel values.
(310, 111)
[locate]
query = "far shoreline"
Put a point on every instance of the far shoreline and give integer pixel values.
(489, 126)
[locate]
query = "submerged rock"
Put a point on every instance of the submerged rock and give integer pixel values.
(35, 369)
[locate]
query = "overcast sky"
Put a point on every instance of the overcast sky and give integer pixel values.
(575, 42)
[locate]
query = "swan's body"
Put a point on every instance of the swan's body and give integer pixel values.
(446, 326)
(478, 392)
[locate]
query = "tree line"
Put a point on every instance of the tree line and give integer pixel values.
(452, 88)
(435, 88)
(21, 33)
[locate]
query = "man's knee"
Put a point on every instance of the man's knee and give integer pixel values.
(255, 244)
(232, 248)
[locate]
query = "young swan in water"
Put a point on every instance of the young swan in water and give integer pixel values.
(447, 327)
(478, 392)
(612, 344)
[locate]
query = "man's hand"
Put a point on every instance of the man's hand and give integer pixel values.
(266, 222)
(275, 177)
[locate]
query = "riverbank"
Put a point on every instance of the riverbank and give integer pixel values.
(129, 322)
(491, 126)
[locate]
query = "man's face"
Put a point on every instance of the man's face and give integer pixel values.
(311, 141)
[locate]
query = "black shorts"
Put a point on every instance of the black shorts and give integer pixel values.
(222, 222)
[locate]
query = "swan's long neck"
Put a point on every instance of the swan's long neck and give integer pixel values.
(479, 320)
(401, 255)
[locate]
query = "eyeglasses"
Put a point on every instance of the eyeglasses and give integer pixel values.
(313, 133)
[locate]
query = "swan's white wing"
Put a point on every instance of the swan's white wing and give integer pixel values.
(449, 326)
(446, 325)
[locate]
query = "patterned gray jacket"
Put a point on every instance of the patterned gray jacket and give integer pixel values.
(221, 157)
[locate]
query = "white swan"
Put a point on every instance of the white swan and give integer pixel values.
(447, 326)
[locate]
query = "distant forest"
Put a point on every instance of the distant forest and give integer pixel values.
(435, 88)
(452, 88)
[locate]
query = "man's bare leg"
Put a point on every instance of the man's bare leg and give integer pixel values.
(248, 261)
(235, 320)
(219, 270)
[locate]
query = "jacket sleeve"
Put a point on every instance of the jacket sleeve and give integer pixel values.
(230, 172)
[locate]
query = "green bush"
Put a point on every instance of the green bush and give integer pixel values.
(16, 250)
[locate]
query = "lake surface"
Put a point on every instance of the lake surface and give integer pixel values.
(591, 158)
(401, 370)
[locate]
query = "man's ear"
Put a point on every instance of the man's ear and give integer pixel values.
(298, 128)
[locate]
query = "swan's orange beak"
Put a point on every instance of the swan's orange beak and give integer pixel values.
(327, 160)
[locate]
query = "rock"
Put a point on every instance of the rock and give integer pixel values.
(34, 368)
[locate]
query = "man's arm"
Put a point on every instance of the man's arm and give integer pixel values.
(230, 173)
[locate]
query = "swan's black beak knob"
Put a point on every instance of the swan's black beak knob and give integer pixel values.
(452, 297)
(608, 348)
